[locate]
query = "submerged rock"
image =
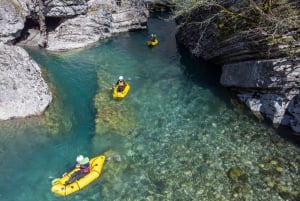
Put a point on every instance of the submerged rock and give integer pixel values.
(235, 173)
(57, 118)
(113, 116)
(114, 170)
(23, 90)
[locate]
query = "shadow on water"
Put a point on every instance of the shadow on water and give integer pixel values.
(287, 134)
(198, 70)
(208, 74)
(203, 73)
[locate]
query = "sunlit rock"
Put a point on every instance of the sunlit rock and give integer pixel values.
(23, 90)
(58, 8)
(62, 25)
(11, 22)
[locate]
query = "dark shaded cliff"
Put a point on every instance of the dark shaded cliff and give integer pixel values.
(257, 44)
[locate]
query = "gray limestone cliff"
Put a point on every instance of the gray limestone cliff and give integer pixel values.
(23, 90)
(61, 25)
(257, 43)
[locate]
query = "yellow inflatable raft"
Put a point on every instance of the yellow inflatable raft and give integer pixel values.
(152, 43)
(121, 94)
(59, 187)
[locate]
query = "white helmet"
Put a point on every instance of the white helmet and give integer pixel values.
(79, 158)
(121, 78)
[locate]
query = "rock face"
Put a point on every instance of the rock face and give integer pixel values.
(101, 21)
(269, 87)
(260, 58)
(23, 90)
(11, 22)
(159, 5)
(61, 25)
(58, 8)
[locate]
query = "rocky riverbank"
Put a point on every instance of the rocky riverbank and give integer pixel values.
(23, 90)
(257, 43)
(54, 25)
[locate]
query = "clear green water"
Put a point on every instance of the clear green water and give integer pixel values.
(189, 141)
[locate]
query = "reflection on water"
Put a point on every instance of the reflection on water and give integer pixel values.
(176, 136)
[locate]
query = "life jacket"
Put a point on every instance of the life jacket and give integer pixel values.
(121, 85)
(85, 168)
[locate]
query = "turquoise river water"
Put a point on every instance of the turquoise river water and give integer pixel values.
(178, 135)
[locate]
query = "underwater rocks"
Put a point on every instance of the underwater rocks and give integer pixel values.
(57, 119)
(114, 168)
(23, 90)
(235, 173)
(112, 115)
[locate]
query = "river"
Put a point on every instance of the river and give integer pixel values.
(178, 135)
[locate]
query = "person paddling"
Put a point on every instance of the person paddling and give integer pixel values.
(83, 163)
(153, 37)
(120, 84)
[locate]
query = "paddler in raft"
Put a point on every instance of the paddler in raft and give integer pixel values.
(83, 163)
(120, 84)
(153, 37)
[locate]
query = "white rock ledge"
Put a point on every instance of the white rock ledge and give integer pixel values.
(23, 90)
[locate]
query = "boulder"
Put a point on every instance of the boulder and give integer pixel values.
(23, 90)
(11, 22)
